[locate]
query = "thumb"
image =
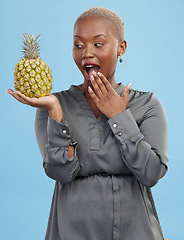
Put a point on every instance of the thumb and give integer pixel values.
(125, 95)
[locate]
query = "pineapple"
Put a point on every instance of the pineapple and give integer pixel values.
(32, 75)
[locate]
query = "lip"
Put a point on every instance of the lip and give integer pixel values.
(87, 77)
(89, 63)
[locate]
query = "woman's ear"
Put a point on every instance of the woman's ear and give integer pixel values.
(122, 47)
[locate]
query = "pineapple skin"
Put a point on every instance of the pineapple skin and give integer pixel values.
(33, 77)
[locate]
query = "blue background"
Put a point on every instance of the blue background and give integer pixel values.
(155, 35)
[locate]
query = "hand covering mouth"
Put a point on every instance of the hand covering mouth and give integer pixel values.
(90, 68)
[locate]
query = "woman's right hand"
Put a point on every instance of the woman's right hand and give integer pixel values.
(49, 102)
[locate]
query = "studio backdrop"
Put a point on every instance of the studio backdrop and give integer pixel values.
(153, 62)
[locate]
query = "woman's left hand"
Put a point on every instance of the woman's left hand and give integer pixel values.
(105, 98)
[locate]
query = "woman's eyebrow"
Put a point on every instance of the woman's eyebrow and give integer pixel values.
(76, 36)
(99, 35)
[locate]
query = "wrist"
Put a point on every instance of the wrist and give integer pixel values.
(54, 104)
(116, 113)
(55, 112)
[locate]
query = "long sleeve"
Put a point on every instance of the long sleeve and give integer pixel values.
(53, 140)
(144, 147)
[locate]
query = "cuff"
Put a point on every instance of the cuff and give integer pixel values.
(58, 134)
(75, 145)
(125, 127)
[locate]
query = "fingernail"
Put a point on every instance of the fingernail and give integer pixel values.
(129, 85)
(99, 74)
(94, 73)
(92, 78)
(6, 91)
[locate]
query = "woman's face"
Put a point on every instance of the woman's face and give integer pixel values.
(96, 47)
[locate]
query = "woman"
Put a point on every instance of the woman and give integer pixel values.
(103, 143)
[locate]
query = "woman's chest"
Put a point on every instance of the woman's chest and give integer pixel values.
(93, 107)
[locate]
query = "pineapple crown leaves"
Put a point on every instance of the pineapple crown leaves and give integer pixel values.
(31, 46)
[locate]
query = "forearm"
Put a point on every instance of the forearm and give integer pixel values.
(145, 156)
(59, 166)
(146, 165)
(54, 146)
(56, 113)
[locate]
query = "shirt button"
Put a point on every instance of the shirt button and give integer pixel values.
(120, 134)
(64, 131)
(115, 125)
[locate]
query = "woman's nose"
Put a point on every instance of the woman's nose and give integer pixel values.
(88, 53)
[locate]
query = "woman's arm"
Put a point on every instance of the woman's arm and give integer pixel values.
(59, 153)
(56, 113)
(54, 141)
(143, 148)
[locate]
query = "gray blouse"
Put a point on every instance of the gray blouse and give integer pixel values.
(103, 191)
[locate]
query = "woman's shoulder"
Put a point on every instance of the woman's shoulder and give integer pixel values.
(64, 95)
(141, 98)
(144, 103)
(60, 94)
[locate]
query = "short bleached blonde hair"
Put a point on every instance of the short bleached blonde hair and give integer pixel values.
(105, 13)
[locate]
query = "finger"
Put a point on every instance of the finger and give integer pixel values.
(11, 92)
(20, 99)
(96, 88)
(93, 95)
(34, 102)
(16, 96)
(107, 84)
(126, 92)
(24, 97)
(100, 83)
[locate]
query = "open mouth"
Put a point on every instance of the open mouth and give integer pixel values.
(89, 68)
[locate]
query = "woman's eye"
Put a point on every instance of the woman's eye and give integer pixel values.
(78, 46)
(98, 44)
